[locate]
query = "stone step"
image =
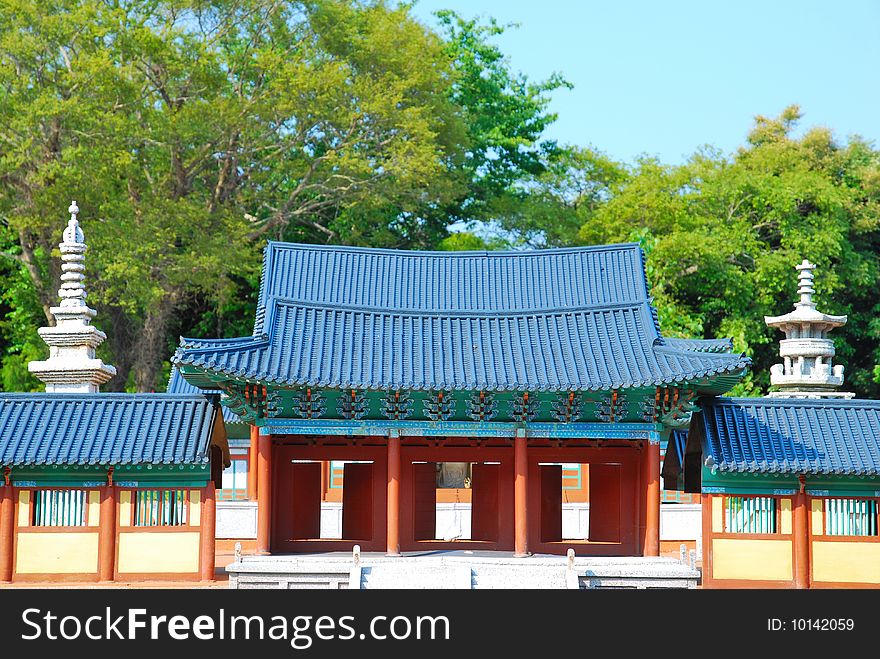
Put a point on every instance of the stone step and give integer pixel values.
(508, 576)
(413, 576)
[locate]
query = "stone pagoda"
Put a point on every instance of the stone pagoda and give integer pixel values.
(72, 366)
(806, 350)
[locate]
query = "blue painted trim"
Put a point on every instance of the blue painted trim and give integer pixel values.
(647, 431)
(161, 485)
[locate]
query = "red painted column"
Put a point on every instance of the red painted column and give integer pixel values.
(253, 451)
(7, 532)
(706, 514)
(801, 531)
(651, 477)
(208, 541)
(520, 495)
(393, 545)
(264, 493)
(107, 533)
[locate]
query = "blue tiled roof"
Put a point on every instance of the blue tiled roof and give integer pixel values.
(118, 429)
(177, 385)
(570, 319)
(786, 436)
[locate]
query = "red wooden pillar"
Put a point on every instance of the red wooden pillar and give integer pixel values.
(651, 479)
(7, 532)
(393, 545)
(107, 532)
(253, 459)
(706, 539)
(207, 539)
(264, 493)
(520, 495)
(801, 530)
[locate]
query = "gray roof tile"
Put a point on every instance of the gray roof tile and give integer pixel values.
(789, 436)
(571, 319)
(46, 429)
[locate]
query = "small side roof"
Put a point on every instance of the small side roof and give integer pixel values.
(111, 429)
(790, 436)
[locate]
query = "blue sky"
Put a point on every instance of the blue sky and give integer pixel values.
(665, 77)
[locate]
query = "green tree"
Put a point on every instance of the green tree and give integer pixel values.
(723, 235)
(190, 132)
(548, 209)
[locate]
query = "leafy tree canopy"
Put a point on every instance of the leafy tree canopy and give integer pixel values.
(190, 132)
(723, 235)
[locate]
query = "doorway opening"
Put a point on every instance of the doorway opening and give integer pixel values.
(331, 500)
(580, 502)
(455, 500)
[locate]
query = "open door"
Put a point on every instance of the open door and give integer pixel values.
(357, 501)
(484, 501)
(424, 500)
(551, 503)
(605, 502)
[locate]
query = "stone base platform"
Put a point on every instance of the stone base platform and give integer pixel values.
(456, 569)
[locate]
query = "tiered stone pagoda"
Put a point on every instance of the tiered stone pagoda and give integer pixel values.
(72, 366)
(806, 350)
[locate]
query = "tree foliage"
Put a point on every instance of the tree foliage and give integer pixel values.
(190, 132)
(723, 235)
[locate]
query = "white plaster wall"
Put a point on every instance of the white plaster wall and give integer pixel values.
(236, 519)
(331, 519)
(454, 521)
(681, 521)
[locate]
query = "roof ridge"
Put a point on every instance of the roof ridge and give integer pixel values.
(102, 395)
(452, 313)
(781, 401)
(277, 244)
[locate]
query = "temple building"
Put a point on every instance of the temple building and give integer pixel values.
(790, 483)
(505, 387)
(100, 486)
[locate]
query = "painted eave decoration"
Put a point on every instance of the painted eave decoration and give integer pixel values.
(178, 385)
(551, 320)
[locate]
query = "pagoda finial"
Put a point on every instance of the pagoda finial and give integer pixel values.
(73, 234)
(805, 284)
(73, 250)
(72, 366)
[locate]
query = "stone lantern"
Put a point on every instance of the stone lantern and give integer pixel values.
(806, 370)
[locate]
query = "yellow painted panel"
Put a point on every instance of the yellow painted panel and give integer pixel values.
(717, 514)
(24, 508)
(785, 516)
(194, 508)
(159, 552)
(759, 560)
(94, 507)
(125, 508)
(816, 506)
(56, 553)
(854, 562)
